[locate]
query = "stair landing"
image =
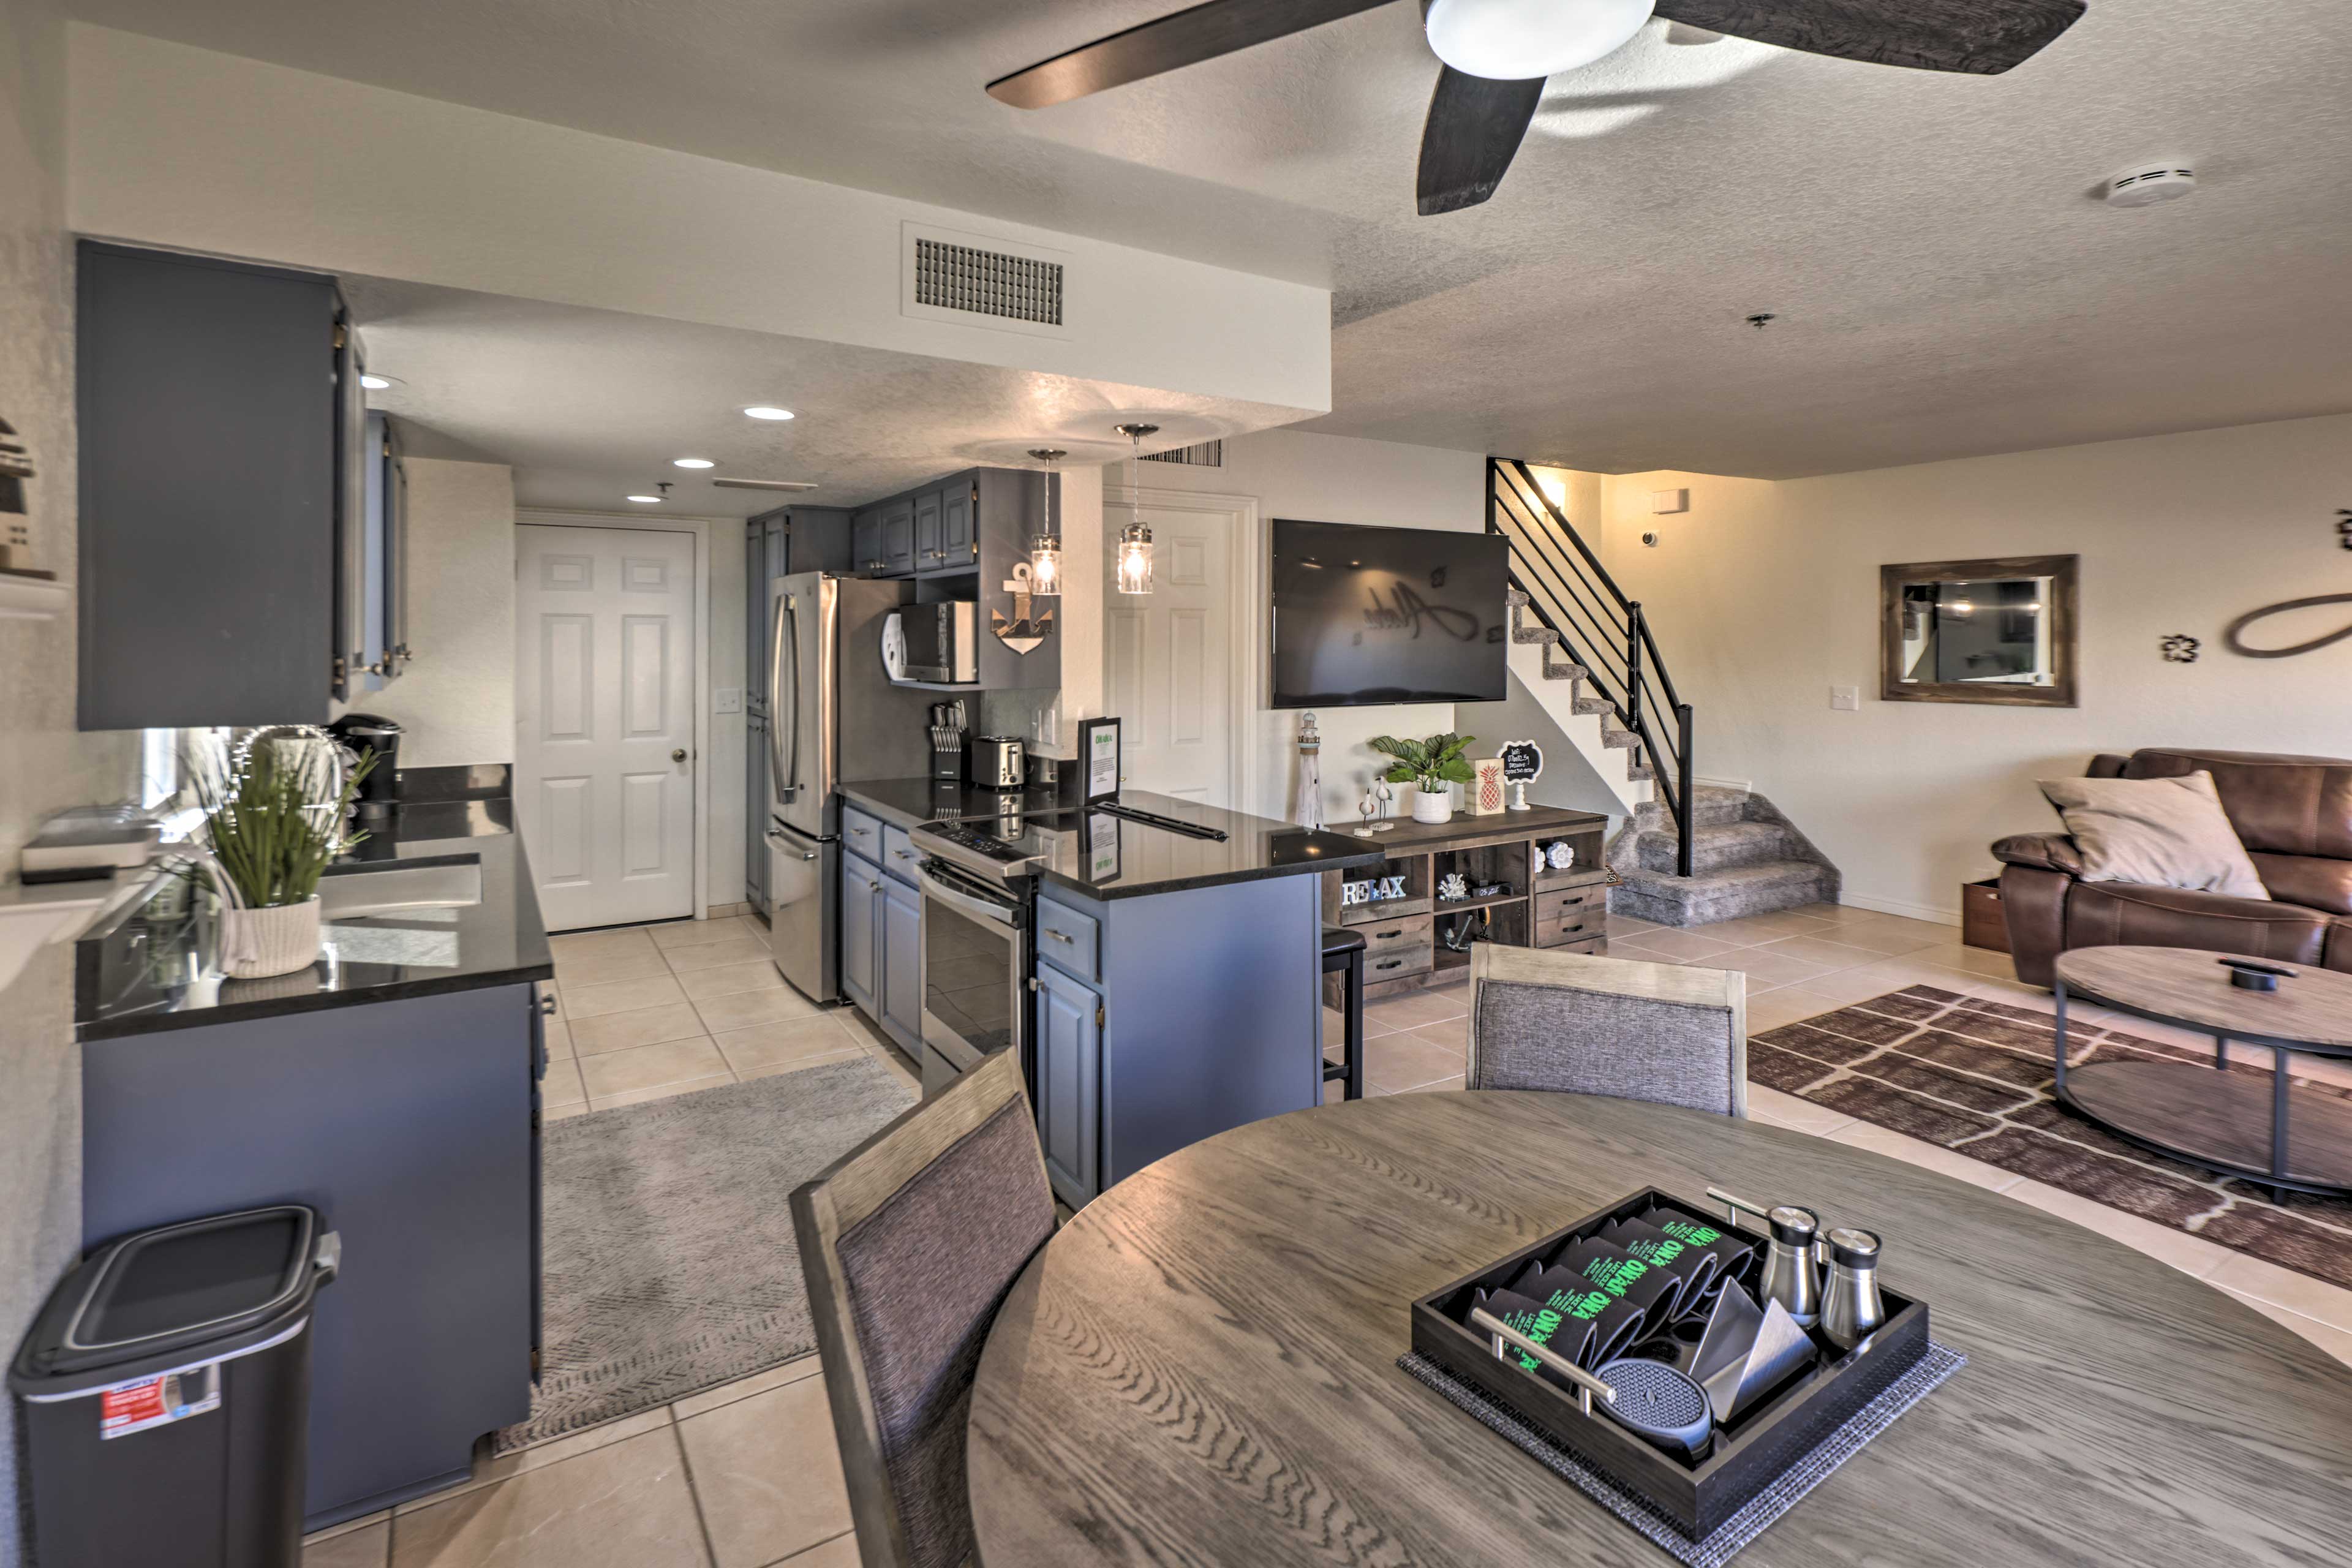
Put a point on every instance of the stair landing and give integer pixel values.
(1747, 859)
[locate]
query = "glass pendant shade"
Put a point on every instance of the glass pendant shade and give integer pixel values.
(1134, 558)
(1512, 41)
(1044, 565)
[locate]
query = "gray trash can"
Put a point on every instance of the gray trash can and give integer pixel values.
(167, 1390)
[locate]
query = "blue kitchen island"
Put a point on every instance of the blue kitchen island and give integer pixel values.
(1174, 984)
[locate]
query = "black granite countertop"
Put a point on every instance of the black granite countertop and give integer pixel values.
(908, 803)
(1105, 856)
(1111, 858)
(150, 968)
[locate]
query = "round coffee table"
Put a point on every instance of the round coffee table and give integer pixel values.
(2285, 1138)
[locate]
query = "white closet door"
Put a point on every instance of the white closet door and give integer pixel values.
(605, 709)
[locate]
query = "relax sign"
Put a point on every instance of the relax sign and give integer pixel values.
(1371, 891)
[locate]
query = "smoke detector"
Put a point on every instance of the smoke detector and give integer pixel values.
(2149, 184)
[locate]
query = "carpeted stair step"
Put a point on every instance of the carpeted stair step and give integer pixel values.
(1714, 806)
(1534, 634)
(1618, 740)
(1593, 705)
(1721, 846)
(1723, 895)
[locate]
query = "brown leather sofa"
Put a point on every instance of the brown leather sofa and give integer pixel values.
(2294, 817)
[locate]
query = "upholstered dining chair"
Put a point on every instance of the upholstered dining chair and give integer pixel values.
(909, 1243)
(1582, 1024)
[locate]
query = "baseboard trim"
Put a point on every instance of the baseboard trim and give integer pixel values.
(1900, 907)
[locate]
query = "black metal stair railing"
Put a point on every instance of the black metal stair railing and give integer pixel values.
(1571, 593)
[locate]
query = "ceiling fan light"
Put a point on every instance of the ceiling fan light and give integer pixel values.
(1512, 41)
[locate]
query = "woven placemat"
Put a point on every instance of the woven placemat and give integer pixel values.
(1936, 1363)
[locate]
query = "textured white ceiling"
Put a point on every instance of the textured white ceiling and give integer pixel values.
(1945, 283)
(590, 406)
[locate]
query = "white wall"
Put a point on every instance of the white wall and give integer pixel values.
(458, 699)
(181, 146)
(1766, 594)
(1332, 478)
(44, 764)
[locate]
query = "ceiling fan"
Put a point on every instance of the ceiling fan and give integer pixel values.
(1496, 54)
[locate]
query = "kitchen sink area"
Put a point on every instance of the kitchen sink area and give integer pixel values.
(363, 888)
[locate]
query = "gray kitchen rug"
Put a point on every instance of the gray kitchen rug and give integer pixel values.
(667, 1245)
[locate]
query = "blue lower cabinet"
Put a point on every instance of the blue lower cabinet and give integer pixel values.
(902, 963)
(1069, 1084)
(861, 899)
(1138, 1054)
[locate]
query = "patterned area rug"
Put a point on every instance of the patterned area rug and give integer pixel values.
(1975, 1077)
(670, 1261)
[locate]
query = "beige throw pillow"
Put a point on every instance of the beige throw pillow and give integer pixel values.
(2163, 833)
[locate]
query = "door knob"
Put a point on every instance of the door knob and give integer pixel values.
(678, 755)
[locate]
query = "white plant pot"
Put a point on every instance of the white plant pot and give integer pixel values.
(277, 941)
(1432, 806)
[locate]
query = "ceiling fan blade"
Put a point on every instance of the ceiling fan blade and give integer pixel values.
(1203, 33)
(1473, 129)
(1982, 36)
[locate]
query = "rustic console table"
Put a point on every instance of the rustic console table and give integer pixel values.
(1406, 937)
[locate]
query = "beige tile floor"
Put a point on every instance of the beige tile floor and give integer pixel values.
(659, 1010)
(747, 1475)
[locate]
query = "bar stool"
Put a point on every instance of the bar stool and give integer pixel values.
(1343, 954)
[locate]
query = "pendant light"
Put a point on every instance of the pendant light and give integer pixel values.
(1045, 549)
(1135, 539)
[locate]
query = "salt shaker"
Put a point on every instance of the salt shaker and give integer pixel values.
(1851, 1309)
(1790, 1277)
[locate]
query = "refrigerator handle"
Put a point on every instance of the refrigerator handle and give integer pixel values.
(785, 634)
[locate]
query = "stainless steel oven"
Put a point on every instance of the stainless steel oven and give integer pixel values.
(975, 976)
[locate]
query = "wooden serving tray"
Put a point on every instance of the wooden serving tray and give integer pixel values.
(1748, 1454)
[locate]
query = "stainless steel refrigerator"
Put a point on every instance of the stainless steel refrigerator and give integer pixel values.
(833, 715)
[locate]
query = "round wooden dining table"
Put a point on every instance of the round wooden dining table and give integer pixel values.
(1200, 1368)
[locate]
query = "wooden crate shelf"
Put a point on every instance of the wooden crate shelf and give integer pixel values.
(1499, 848)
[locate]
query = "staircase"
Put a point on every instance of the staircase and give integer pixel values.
(1589, 721)
(1747, 859)
(1688, 855)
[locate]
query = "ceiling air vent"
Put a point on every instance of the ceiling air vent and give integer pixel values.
(1201, 455)
(983, 281)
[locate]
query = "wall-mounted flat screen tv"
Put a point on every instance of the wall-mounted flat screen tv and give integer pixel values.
(1366, 616)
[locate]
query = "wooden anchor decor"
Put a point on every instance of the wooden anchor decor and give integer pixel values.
(1025, 630)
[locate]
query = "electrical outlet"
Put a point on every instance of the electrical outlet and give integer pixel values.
(1847, 698)
(727, 700)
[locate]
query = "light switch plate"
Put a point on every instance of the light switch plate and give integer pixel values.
(727, 700)
(1845, 698)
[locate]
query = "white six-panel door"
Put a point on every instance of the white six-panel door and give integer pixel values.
(1166, 655)
(605, 722)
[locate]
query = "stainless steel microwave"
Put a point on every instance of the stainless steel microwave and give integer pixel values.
(938, 644)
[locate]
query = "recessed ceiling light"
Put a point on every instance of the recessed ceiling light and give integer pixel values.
(376, 383)
(692, 463)
(762, 411)
(646, 501)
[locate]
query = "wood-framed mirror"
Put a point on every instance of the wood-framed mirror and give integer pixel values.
(1999, 631)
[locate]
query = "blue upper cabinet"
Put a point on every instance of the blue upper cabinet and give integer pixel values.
(927, 531)
(959, 537)
(207, 598)
(898, 537)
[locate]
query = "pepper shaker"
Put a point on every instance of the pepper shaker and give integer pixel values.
(1790, 1275)
(1851, 1309)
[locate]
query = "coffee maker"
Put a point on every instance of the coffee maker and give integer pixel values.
(360, 732)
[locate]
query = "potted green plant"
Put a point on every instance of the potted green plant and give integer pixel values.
(1431, 766)
(270, 827)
